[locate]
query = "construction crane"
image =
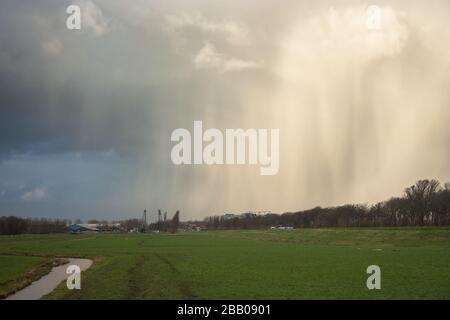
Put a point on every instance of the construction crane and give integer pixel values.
(144, 221)
(175, 222)
(159, 219)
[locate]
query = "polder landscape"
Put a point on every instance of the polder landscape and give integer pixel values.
(327, 263)
(224, 150)
(321, 253)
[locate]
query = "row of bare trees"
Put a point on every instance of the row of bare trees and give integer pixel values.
(426, 203)
(15, 225)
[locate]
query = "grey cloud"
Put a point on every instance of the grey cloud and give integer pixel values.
(59, 92)
(63, 91)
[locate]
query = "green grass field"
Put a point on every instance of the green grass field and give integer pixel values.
(297, 264)
(12, 266)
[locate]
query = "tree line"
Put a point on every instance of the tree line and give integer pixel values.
(15, 225)
(426, 203)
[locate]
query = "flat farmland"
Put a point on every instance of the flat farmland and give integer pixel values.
(261, 264)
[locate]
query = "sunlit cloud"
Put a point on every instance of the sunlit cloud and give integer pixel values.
(234, 32)
(52, 47)
(37, 194)
(93, 19)
(209, 58)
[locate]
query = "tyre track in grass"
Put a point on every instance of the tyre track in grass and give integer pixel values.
(183, 287)
(135, 275)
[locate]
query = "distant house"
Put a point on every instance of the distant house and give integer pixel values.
(281, 228)
(81, 228)
(197, 227)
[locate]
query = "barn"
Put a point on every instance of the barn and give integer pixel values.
(81, 228)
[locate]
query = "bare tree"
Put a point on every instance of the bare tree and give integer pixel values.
(421, 196)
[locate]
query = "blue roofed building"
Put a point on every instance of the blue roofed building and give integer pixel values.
(81, 228)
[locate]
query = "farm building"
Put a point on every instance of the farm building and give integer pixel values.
(79, 228)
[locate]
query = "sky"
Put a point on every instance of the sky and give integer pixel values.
(86, 115)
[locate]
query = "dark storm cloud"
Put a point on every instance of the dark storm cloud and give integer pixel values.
(36, 115)
(122, 88)
(32, 121)
(86, 116)
(66, 92)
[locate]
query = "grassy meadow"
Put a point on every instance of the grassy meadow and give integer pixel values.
(264, 264)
